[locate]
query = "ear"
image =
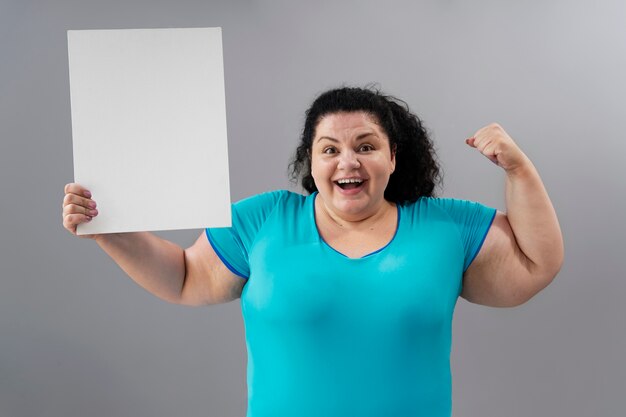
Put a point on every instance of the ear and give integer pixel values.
(393, 158)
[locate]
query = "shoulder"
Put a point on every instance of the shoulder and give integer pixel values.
(460, 210)
(267, 200)
(465, 221)
(259, 207)
(271, 197)
(452, 208)
(435, 202)
(449, 204)
(264, 198)
(251, 217)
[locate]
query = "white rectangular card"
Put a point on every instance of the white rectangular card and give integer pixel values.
(149, 128)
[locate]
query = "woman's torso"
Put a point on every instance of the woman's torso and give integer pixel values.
(330, 334)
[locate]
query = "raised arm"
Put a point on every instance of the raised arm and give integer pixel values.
(523, 250)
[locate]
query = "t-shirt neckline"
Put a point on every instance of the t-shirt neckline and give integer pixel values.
(326, 244)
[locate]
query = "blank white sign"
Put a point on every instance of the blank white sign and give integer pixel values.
(149, 128)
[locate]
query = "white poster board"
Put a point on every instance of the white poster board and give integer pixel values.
(149, 128)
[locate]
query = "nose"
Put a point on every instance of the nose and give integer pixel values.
(348, 161)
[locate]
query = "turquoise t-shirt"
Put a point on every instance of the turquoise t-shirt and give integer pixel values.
(329, 335)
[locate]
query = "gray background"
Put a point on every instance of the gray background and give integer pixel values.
(78, 337)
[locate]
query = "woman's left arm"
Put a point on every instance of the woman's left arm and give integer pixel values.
(523, 250)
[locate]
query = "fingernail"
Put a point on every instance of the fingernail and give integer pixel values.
(89, 219)
(87, 194)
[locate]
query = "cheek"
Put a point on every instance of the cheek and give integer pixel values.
(319, 167)
(384, 165)
(318, 172)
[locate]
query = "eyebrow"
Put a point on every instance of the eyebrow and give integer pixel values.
(360, 137)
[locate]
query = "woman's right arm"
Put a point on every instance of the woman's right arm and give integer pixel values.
(192, 276)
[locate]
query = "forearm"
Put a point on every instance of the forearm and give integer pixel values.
(534, 221)
(155, 264)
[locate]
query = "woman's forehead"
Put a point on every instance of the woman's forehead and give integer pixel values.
(342, 122)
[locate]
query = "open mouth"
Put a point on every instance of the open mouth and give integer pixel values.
(350, 184)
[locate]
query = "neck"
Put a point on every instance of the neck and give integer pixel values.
(357, 221)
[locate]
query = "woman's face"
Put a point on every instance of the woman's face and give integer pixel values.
(351, 161)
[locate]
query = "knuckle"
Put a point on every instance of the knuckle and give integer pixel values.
(67, 199)
(73, 188)
(67, 223)
(75, 209)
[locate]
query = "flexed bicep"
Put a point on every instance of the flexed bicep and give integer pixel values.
(500, 275)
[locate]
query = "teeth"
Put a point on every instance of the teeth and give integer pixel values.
(350, 180)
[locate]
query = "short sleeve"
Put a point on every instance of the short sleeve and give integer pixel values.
(232, 244)
(473, 221)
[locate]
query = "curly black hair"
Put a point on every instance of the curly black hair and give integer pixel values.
(417, 171)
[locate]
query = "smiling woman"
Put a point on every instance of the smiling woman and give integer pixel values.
(416, 173)
(348, 293)
(351, 162)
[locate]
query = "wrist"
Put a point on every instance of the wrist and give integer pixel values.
(103, 237)
(523, 169)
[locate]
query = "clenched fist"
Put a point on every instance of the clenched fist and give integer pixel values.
(493, 142)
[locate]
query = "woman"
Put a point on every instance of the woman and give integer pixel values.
(347, 294)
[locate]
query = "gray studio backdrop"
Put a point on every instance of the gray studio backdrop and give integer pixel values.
(78, 337)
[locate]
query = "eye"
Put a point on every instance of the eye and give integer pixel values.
(329, 150)
(366, 148)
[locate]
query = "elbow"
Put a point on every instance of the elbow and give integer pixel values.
(533, 284)
(545, 273)
(540, 275)
(545, 261)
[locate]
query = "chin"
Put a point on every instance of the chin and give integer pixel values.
(351, 206)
